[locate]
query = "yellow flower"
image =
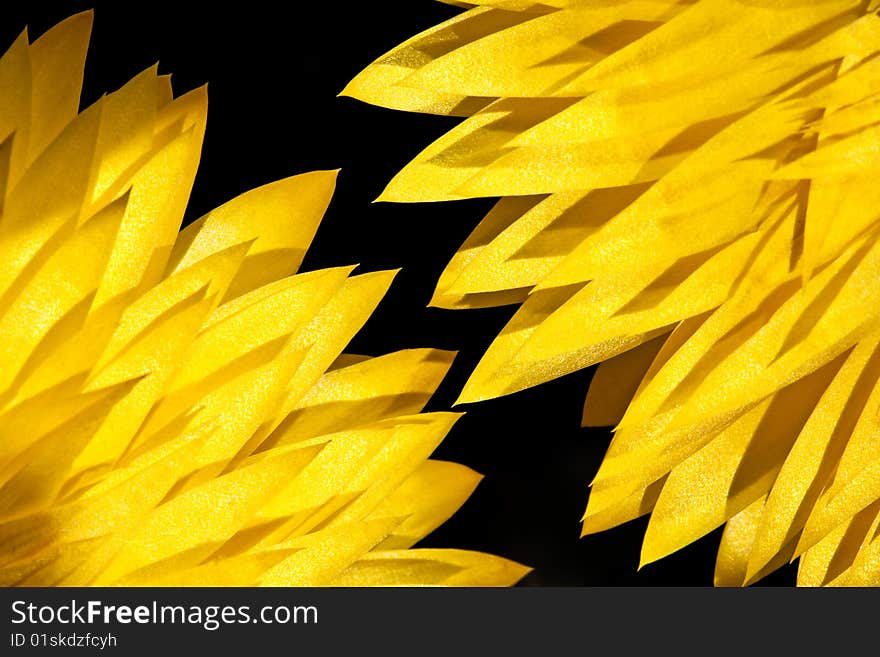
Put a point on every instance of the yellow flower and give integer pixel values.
(689, 195)
(175, 408)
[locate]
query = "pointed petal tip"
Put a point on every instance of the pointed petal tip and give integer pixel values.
(752, 577)
(85, 20)
(329, 174)
(326, 177)
(347, 270)
(652, 551)
(199, 93)
(355, 88)
(467, 397)
(441, 298)
(478, 391)
(81, 22)
(86, 16)
(523, 570)
(346, 91)
(755, 566)
(391, 274)
(444, 356)
(390, 195)
(809, 537)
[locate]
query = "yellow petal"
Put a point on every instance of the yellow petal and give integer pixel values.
(699, 170)
(431, 567)
(426, 499)
(280, 218)
(176, 409)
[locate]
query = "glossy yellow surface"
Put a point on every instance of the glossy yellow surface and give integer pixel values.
(689, 194)
(175, 408)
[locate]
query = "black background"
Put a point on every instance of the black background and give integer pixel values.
(273, 71)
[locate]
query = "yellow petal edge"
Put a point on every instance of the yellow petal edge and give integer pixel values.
(688, 196)
(175, 408)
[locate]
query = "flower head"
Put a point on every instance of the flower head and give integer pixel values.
(689, 197)
(175, 408)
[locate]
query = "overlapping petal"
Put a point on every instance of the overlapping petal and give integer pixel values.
(688, 198)
(175, 408)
